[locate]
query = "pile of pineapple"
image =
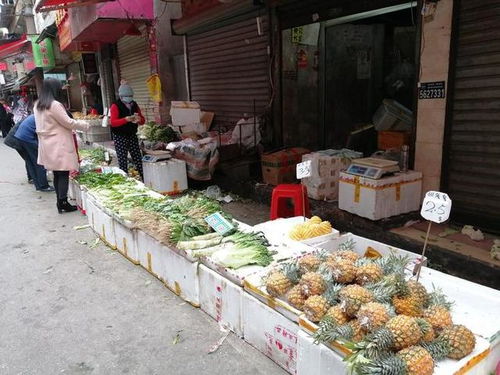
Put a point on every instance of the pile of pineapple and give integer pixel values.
(313, 227)
(393, 326)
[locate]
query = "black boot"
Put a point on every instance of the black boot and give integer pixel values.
(64, 206)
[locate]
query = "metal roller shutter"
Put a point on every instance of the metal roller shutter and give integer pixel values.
(229, 69)
(133, 58)
(472, 172)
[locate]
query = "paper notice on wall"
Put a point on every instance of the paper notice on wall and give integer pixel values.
(308, 34)
(364, 65)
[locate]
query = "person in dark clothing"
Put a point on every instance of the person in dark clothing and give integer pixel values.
(125, 116)
(28, 140)
(5, 120)
(14, 143)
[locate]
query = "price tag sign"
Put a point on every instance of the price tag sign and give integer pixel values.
(219, 224)
(436, 207)
(304, 169)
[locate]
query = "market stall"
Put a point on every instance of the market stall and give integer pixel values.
(296, 289)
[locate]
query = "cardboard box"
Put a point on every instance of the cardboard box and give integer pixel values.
(379, 199)
(270, 333)
(185, 113)
(325, 169)
(221, 299)
(392, 140)
(280, 167)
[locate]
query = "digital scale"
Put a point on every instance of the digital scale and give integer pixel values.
(373, 168)
(156, 156)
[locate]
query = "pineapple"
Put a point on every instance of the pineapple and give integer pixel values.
(315, 307)
(439, 317)
(309, 263)
(352, 297)
(418, 361)
(429, 335)
(343, 270)
(455, 342)
(400, 332)
(279, 282)
(312, 284)
(296, 297)
(347, 254)
(411, 304)
(414, 360)
(337, 315)
(372, 316)
(358, 332)
(315, 220)
(368, 273)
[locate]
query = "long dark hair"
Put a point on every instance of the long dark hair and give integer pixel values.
(51, 91)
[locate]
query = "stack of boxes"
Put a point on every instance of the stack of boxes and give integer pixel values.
(326, 166)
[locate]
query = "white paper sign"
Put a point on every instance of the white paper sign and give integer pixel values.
(436, 207)
(304, 169)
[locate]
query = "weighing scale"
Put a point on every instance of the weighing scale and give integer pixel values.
(373, 168)
(156, 156)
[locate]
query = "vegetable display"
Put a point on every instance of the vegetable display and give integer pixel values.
(158, 133)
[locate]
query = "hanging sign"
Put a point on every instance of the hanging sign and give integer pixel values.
(436, 207)
(3, 66)
(432, 90)
(43, 52)
(304, 169)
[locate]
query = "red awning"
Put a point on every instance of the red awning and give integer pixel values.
(11, 48)
(49, 5)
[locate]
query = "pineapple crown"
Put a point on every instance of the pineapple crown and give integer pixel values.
(329, 331)
(424, 325)
(347, 245)
(393, 263)
(322, 254)
(438, 349)
(292, 271)
(389, 286)
(332, 293)
(438, 298)
(378, 342)
(388, 364)
(364, 261)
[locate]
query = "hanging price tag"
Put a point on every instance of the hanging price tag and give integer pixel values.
(436, 207)
(219, 224)
(304, 169)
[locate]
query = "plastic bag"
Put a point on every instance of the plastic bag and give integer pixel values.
(244, 133)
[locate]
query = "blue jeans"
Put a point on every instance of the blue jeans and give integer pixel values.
(36, 171)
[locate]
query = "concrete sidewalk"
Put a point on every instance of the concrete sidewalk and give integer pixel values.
(67, 308)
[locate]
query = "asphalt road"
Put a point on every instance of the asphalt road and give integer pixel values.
(67, 308)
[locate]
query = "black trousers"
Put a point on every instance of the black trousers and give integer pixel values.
(125, 144)
(36, 171)
(61, 184)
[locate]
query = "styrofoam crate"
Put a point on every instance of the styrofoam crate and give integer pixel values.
(103, 225)
(317, 359)
(271, 333)
(81, 200)
(90, 210)
(166, 177)
(379, 199)
(126, 241)
(221, 299)
(178, 273)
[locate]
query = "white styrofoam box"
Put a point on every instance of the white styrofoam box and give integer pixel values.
(166, 177)
(90, 210)
(378, 199)
(103, 224)
(476, 306)
(81, 200)
(221, 299)
(277, 232)
(271, 333)
(177, 272)
(316, 359)
(126, 241)
(371, 249)
(326, 166)
(185, 113)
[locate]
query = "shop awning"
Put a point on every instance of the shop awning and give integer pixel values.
(50, 5)
(11, 48)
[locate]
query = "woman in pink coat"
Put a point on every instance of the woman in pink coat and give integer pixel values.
(56, 149)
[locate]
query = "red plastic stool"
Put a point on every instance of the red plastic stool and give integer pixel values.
(282, 194)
